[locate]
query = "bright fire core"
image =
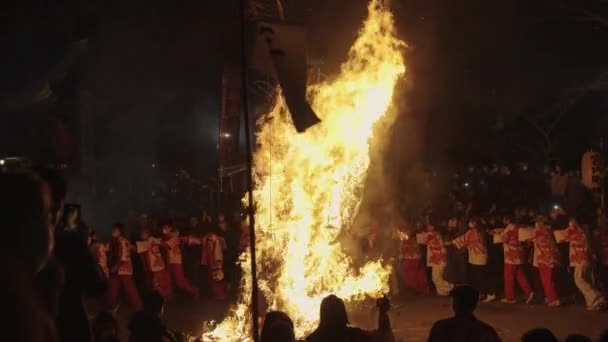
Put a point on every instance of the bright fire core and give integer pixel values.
(308, 185)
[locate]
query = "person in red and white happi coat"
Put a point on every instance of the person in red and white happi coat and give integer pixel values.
(436, 258)
(172, 242)
(475, 243)
(581, 262)
(514, 259)
(414, 271)
(213, 246)
(121, 270)
(98, 251)
(156, 274)
(545, 257)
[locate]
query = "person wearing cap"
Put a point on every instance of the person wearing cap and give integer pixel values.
(464, 326)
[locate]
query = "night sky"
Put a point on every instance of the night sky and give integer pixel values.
(149, 85)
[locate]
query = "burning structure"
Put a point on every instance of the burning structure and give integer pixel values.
(308, 186)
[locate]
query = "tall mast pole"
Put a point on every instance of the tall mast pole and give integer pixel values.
(245, 104)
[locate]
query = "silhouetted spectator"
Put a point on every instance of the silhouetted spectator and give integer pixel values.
(539, 335)
(48, 284)
(334, 325)
(146, 325)
(577, 338)
(49, 281)
(604, 336)
(464, 326)
(24, 207)
(81, 279)
(105, 328)
(277, 327)
(72, 223)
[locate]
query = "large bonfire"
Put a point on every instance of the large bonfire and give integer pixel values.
(308, 185)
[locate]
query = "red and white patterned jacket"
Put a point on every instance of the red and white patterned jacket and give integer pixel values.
(120, 248)
(545, 249)
(98, 250)
(153, 258)
(579, 246)
(435, 250)
(213, 251)
(475, 243)
(513, 249)
(173, 244)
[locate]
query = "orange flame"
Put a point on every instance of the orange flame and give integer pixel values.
(307, 183)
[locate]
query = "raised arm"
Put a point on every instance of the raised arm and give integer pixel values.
(461, 241)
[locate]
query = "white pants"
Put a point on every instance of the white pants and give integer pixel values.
(593, 297)
(442, 286)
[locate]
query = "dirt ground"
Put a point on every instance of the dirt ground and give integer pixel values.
(413, 317)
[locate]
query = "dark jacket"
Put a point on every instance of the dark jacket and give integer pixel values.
(81, 279)
(462, 328)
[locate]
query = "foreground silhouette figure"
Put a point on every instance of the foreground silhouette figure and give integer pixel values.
(464, 326)
(334, 325)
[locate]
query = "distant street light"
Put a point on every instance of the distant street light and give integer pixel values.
(226, 135)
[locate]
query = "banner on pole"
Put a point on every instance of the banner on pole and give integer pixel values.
(280, 52)
(591, 170)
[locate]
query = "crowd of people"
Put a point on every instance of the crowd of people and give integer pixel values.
(151, 258)
(66, 282)
(522, 249)
(547, 243)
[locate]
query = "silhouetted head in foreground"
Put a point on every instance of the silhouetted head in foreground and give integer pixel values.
(577, 338)
(604, 336)
(277, 327)
(333, 313)
(464, 299)
(539, 335)
(25, 210)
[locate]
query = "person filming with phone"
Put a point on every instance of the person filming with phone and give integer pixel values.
(334, 325)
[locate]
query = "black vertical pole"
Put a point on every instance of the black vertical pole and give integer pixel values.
(245, 104)
(603, 173)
